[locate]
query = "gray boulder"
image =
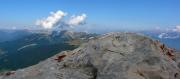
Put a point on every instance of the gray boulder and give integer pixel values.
(110, 56)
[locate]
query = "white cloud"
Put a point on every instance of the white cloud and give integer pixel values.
(51, 20)
(77, 20)
(56, 20)
(176, 29)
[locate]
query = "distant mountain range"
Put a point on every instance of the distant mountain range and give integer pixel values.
(171, 39)
(9, 35)
(28, 48)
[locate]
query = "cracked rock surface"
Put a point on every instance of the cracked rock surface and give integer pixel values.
(110, 56)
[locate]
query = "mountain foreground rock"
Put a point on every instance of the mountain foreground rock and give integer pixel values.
(110, 56)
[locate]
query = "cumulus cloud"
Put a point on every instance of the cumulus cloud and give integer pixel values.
(51, 20)
(56, 20)
(176, 29)
(77, 20)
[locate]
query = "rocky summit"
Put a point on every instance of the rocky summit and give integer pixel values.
(110, 56)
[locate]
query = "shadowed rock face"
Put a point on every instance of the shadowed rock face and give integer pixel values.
(111, 56)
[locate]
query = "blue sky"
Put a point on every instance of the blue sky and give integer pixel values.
(102, 14)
